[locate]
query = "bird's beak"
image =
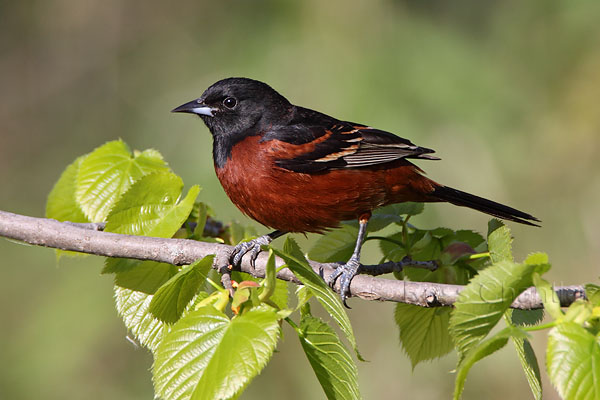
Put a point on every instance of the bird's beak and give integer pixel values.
(194, 107)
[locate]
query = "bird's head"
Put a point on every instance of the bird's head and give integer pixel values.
(235, 106)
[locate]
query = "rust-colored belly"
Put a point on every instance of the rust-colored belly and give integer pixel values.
(297, 202)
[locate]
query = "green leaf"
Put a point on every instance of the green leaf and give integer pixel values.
(499, 241)
(280, 296)
(525, 352)
(150, 207)
(548, 296)
(172, 298)
(482, 350)
(526, 317)
(392, 248)
(484, 300)
(592, 292)
(208, 356)
(423, 331)
(472, 238)
(61, 204)
(201, 220)
(133, 308)
(336, 245)
(107, 172)
(530, 366)
(331, 362)
(409, 208)
(144, 276)
(329, 300)
(573, 361)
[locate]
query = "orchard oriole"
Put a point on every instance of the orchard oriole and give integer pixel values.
(298, 170)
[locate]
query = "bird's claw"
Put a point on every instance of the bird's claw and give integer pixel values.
(254, 247)
(345, 273)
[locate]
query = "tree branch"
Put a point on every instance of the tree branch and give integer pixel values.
(88, 238)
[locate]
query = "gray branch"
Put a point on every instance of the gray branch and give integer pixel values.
(89, 238)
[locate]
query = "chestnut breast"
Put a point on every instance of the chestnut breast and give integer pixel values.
(299, 202)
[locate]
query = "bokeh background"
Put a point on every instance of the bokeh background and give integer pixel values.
(507, 92)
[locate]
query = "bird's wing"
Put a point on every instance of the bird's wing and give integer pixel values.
(308, 149)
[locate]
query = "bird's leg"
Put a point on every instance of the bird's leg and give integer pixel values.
(347, 271)
(253, 247)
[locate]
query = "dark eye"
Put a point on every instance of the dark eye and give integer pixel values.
(229, 102)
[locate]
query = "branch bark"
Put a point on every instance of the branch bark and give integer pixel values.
(88, 238)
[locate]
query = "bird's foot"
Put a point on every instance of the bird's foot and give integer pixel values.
(253, 247)
(345, 273)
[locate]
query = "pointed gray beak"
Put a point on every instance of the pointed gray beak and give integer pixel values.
(194, 107)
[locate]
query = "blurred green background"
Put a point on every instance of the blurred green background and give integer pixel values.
(507, 92)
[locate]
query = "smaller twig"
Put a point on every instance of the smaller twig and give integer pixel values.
(392, 266)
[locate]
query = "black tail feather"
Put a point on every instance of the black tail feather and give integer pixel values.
(464, 199)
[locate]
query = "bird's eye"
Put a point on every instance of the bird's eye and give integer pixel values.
(229, 102)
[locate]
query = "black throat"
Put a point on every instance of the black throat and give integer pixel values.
(223, 144)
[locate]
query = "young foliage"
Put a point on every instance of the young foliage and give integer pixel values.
(423, 332)
(525, 352)
(573, 361)
(61, 204)
(480, 351)
(208, 356)
(332, 363)
(133, 307)
(296, 262)
(151, 206)
(487, 296)
(202, 353)
(107, 172)
(172, 298)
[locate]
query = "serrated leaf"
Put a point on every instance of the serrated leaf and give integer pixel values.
(573, 361)
(150, 207)
(107, 172)
(592, 292)
(423, 331)
(201, 220)
(392, 248)
(331, 362)
(409, 208)
(133, 308)
(329, 300)
(336, 245)
(280, 296)
(526, 317)
(146, 276)
(484, 300)
(499, 241)
(172, 298)
(524, 350)
(381, 218)
(61, 204)
(482, 350)
(548, 296)
(530, 366)
(472, 238)
(208, 356)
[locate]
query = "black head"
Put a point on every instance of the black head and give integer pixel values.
(238, 107)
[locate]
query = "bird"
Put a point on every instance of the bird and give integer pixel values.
(294, 169)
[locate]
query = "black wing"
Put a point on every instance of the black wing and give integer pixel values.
(333, 144)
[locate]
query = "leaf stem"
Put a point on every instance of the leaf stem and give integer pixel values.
(548, 325)
(213, 284)
(479, 255)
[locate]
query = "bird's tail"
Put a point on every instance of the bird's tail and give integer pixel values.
(459, 198)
